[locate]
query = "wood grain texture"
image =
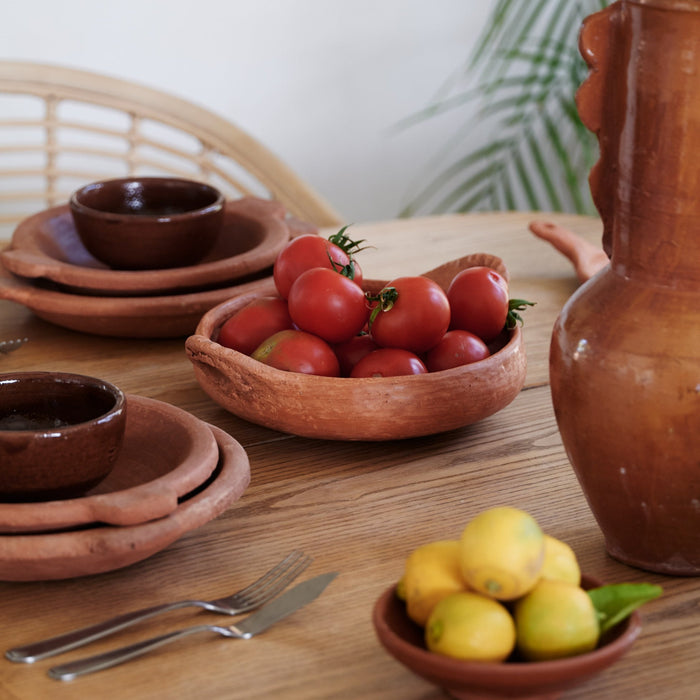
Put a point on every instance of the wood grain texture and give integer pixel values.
(358, 508)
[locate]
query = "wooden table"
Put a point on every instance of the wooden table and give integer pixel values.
(358, 508)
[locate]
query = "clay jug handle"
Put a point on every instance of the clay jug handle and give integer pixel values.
(597, 106)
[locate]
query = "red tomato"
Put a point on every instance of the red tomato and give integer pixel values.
(352, 351)
(304, 253)
(252, 324)
(297, 351)
(479, 301)
(455, 349)
(417, 319)
(388, 362)
(327, 304)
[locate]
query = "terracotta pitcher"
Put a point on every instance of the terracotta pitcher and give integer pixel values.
(625, 352)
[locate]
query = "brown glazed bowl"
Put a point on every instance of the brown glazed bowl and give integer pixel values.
(342, 408)
(541, 680)
(60, 434)
(144, 223)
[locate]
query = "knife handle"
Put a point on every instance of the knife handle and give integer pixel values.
(81, 667)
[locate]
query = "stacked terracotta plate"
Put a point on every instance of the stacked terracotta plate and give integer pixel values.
(48, 269)
(174, 473)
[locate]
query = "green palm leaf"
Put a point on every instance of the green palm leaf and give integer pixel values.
(521, 80)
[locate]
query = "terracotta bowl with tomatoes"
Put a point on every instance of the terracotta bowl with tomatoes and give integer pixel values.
(369, 407)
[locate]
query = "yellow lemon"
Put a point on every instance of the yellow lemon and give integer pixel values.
(560, 563)
(502, 550)
(555, 620)
(401, 589)
(470, 626)
(431, 572)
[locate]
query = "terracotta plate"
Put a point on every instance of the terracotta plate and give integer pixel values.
(167, 452)
(47, 246)
(100, 549)
(172, 316)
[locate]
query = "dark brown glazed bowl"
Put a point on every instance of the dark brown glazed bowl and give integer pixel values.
(60, 434)
(144, 223)
(403, 639)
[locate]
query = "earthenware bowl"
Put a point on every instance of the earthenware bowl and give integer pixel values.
(148, 222)
(166, 453)
(376, 408)
(403, 639)
(94, 550)
(46, 246)
(60, 434)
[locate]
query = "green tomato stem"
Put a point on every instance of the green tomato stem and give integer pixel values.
(514, 306)
(385, 300)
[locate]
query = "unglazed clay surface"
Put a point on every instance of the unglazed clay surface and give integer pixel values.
(376, 408)
(96, 550)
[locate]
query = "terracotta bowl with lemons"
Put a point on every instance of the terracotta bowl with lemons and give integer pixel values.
(403, 639)
(372, 408)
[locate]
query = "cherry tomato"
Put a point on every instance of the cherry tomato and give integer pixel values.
(352, 351)
(455, 349)
(388, 362)
(327, 304)
(304, 253)
(478, 298)
(416, 320)
(297, 351)
(255, 322)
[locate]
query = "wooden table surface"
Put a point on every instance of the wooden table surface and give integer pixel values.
(358, 508)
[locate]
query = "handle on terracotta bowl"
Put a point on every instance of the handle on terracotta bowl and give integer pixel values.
(205, 354)
(130, 507)
(601, 102)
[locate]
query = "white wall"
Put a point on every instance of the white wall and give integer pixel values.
(321, 82)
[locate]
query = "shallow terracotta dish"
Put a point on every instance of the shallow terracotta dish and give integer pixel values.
(147, 223)
(96, 550)
(171, 316)
(60, 434)
(357, 409)
(47, 246)
(166, 453)
(544, 680)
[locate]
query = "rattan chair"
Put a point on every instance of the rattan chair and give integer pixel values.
(61, 128)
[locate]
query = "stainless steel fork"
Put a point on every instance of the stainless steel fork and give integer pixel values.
(249, 598)
(290, 601)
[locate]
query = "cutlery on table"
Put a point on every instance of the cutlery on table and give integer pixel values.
(7, 346)
(245, 600)
(254, 624)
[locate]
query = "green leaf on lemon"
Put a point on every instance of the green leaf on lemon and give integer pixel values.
(616, 601)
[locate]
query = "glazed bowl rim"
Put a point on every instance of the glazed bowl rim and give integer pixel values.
(79, 380)
(77, 206)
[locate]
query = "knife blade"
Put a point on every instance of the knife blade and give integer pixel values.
(284, 605)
